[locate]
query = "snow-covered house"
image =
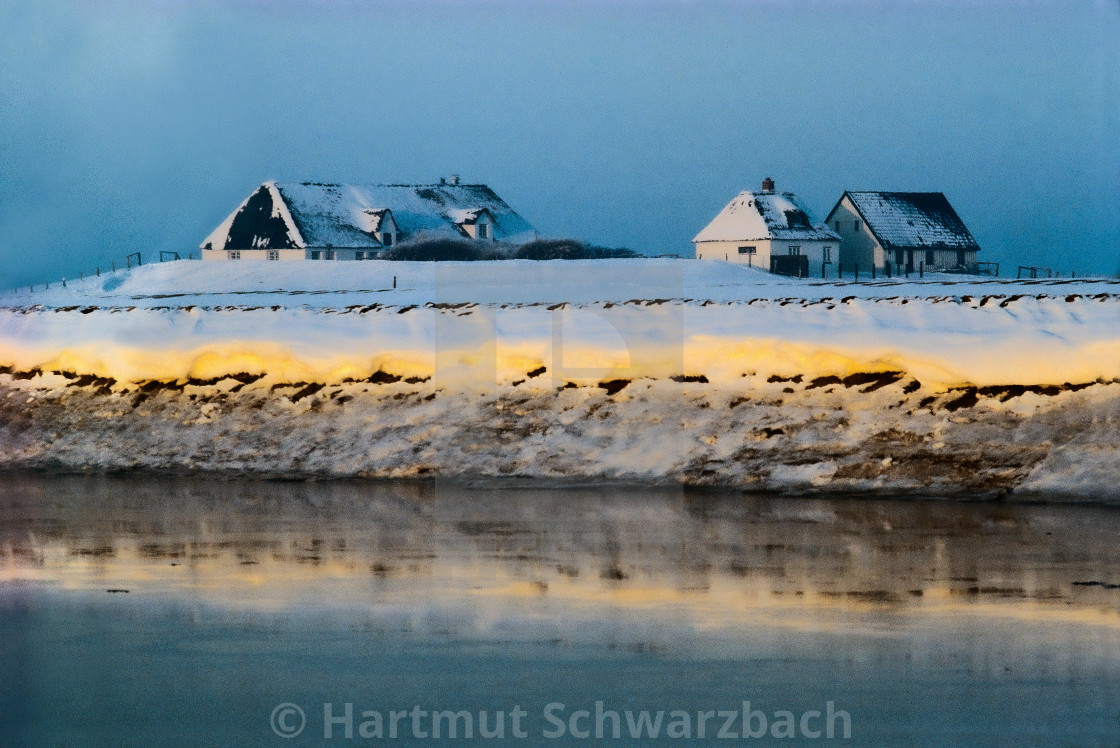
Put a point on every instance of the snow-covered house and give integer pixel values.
(771, 230)
(307, 220)
(901, 230)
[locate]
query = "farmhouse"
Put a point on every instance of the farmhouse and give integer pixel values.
(308, 220)
(906, 230)
(771, 230)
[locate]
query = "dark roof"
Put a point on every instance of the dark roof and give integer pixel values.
(911, 220)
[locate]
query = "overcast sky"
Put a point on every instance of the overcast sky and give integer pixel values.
(140, 126)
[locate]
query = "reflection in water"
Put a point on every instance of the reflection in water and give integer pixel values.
(932, 622)
(474, 560)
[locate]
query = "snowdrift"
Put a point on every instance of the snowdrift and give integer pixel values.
(631, 370)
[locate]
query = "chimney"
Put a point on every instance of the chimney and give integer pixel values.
(768, 185)
(454, 179)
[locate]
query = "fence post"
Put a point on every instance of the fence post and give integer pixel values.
(114, 263)
(64, 283)
(872, 270)
(98, 271)
(394, 281)
(921, 270)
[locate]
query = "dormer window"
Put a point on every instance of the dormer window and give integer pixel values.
(381, 225)
(473, 223)
(796, 219)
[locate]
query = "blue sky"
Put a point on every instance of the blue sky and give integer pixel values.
(140, 126)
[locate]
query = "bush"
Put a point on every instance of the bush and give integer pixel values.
(566, 249)
(450, 249)
(443, 250)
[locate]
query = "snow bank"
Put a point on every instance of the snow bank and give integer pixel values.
(653, 370)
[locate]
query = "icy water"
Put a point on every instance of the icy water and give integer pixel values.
(159, 611)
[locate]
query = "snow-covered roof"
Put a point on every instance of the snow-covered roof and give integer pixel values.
(298, 215)
(757, 216)
(912, 219)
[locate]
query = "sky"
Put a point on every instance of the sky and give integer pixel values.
(139, 126)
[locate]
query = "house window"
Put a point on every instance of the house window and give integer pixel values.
(837, 225)
(387, 239)
(929, 256)
(328, 255)
(315, 254)
(827, 252)
(747, 250)
(794, 249)
(483, 230)
(855, 225)
(273, 254)
(234, 254)
(359, 255)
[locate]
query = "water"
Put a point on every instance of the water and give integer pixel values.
(920, 622)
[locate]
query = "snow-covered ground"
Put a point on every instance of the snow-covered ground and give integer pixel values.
(652, 370)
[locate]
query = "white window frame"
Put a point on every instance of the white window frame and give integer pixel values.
(748, 250)
(826, 254)
(274, 254)
(794, 250)
(233, 254)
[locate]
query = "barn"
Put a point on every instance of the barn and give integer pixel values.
(771, 230)
(903, 232)
(315, 221)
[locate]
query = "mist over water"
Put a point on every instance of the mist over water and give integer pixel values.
(141, 126)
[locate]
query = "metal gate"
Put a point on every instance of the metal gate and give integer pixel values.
(795, 265)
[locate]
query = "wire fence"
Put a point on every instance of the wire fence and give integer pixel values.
(131, 260)
(839, 271)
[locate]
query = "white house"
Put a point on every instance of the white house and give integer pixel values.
(901, 231)
(771, 230)
(307, 220)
